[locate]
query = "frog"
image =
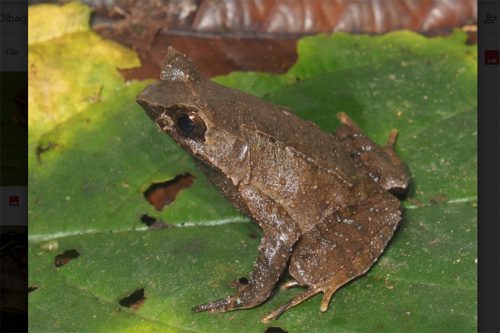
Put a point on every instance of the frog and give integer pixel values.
(327, 203)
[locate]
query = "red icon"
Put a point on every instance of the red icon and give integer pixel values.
(491, 57)
(14, 200)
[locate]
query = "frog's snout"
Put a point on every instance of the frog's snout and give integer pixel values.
(146, 101)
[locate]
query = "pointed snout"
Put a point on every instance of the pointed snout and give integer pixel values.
(149, 101)
(162, 96)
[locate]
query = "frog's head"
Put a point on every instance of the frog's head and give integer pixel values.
(182, 105)
(172, 102)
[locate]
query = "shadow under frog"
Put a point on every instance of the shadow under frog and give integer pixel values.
(322, 200)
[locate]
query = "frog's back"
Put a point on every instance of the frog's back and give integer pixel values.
(307, 171)
(309, 191)
(279, 123)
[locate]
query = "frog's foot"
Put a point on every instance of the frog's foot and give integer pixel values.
(221, 305)
(328, 293)
(248, 296)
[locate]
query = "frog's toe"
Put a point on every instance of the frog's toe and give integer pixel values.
(391, 140)
(221, 305)
(289, 284)
(291, 303)
(327, 295)
(344, 119)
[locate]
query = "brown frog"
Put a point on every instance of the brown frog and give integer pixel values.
(323, 201)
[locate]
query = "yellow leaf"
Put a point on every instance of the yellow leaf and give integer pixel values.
(48, 21)
(69, 66)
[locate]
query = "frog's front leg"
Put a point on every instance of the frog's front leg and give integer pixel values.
(272, 259)
(280, 234)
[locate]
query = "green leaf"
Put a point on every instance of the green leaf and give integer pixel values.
(416, 286)
(92, 157)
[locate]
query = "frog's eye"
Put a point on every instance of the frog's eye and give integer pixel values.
(190, 124)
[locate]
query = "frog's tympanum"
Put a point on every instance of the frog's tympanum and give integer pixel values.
(324, 201)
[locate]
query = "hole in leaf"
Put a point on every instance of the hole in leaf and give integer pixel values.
(32, 288)
(161, 194)
(238, 284)
(65, 257)
(148, 220)
(134, 300)
(273, 329)
(154, 223)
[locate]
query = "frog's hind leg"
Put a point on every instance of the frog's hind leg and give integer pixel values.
(391, 140)
(382, 162)
(310, 292)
